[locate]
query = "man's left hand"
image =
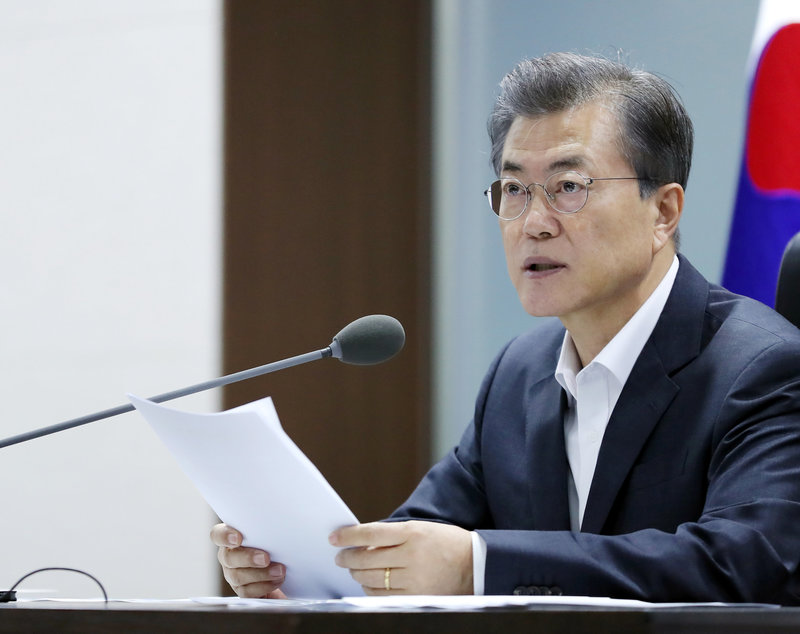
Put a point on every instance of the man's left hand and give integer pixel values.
(422, 557)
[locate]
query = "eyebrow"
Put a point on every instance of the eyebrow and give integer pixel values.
(508, 166)
(566, 163)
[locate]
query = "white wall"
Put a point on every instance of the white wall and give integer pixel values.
(109, 282)
(700, 46)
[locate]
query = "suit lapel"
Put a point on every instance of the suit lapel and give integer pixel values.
(646, 396)
(675, 341)
(544, 439)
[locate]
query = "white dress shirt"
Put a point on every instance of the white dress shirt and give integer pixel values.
(592, 393)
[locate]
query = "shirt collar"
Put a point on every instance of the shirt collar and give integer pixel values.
(619, 354)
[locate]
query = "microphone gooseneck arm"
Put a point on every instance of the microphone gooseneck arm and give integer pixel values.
(168, 396)
(365, 341)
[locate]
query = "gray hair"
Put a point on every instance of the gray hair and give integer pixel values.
(656, 134)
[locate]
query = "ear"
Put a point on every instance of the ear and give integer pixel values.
(669, 207)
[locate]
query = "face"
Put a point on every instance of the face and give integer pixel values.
(593, 267)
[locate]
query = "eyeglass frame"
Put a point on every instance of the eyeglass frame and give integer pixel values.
(588, 180)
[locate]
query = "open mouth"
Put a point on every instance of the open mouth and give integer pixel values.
(540, 266)
(543, 267)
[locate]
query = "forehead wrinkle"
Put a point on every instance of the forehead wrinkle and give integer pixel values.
(573, 148)
(519, 142)
(533, 123)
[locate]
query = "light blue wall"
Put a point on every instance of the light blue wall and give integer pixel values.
(700, 46)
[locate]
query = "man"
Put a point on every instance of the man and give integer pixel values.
(644, 445)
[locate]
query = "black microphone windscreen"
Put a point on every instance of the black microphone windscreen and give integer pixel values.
(369, 340)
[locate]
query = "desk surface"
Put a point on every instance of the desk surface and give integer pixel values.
(148, 617)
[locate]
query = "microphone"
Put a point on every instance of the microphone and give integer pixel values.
(366, 341)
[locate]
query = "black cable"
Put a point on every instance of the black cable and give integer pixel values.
(10, 595)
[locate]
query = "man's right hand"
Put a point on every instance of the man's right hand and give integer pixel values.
(249, 571)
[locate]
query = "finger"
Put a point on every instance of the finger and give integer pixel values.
(243, 557)
(224, 535)
(259, 590)
(377, 580)
(374, 534)
(381, 592)
(370, 558)
(274, 576)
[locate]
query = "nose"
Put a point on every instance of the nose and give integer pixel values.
(540, 220)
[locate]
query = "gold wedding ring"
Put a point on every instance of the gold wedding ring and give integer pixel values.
(387, 581)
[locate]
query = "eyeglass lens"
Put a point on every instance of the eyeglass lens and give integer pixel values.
(565, 192)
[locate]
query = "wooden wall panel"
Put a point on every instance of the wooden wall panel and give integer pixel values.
(327, 211)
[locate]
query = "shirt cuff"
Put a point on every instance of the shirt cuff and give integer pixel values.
(478, 563)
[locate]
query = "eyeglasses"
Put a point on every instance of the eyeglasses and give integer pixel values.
(566, 192)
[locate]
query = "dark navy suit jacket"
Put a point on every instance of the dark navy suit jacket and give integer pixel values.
(696, 493)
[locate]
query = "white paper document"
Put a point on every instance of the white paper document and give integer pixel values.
(407, 602)
(258, 481)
